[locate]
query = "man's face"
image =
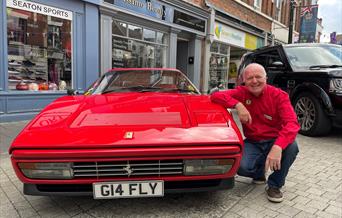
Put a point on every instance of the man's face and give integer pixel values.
(255, 80)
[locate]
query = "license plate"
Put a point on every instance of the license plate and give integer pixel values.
(128, 189)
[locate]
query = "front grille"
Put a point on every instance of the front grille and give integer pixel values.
(128, 168)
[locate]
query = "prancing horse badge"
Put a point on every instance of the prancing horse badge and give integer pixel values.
(128, 135)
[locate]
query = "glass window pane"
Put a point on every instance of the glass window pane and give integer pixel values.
(134, 32)
(149, 35)
(39, 51)
(218, 71)
(119, 28)
(223, 49)
(120, 52)
(150, 56)
(162, 38)
(214, 47)
(161, 56)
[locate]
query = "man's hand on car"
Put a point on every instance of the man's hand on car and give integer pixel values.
(243, 113)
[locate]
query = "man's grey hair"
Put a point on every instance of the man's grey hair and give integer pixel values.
(253, 65)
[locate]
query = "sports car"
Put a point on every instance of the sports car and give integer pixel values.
(134, 133)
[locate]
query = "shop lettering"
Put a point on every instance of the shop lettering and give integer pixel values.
(159, 11)
(55, 12)
(27, 5)
(149, 6)
(134, 3)
(40, 8)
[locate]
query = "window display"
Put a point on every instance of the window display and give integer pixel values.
(39, 51)
(218, 66)
(135, 46)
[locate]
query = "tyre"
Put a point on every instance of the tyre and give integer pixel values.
(311, 116)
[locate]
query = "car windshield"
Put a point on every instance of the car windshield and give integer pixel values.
(314, 56)
(142, 81)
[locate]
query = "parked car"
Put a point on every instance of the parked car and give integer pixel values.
(312, 75)
(134, 133)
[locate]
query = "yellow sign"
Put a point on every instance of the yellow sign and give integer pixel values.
(250, 42)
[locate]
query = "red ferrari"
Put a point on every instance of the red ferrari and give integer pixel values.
(134, 133)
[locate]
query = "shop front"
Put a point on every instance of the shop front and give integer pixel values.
(153, 34)
(46, 47)
(226, 50)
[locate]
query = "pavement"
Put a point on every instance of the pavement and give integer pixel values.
(313, 189)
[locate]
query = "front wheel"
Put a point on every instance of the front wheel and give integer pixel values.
(311, 116)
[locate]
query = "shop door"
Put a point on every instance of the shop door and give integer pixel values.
(182, 56)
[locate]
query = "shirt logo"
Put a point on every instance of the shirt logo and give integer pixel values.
(248, 102)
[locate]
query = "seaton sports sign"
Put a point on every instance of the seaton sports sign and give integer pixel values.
(39, 8)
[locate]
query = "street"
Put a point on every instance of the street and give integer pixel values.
(313, 189)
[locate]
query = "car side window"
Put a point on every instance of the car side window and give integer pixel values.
(267, 59)
(261, 59)
(273, 57)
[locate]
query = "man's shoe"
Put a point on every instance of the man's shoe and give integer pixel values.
(274, 195)
(260, 181)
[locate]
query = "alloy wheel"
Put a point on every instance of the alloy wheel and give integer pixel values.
(306, 113)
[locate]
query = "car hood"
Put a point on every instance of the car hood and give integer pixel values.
(134, 119)
(325, 72)
(335, 72)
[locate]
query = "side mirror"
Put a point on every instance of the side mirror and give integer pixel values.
(276, 65)
(72, 92)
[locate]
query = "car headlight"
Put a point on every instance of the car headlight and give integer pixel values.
(207, 166)
(47, 170)
(336, 86)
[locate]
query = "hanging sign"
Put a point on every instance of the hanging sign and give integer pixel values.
(308, 23)
(40, 9)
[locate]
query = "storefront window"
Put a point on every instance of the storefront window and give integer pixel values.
(162, 38)
(39, 51)
(134, 32)
(149, 35)
(142, 47)
(218, 65)
(119, 28)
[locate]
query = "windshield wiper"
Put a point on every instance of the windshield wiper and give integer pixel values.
(325, 66)
(133, 88)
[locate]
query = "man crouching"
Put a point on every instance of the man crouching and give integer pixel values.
(270, 126)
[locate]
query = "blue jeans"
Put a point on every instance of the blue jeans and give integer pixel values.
(254, 158)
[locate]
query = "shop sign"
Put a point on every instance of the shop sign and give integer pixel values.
(253, 42)
(229, 35)
(186, 20)
(236, 37)
(156, 9)
(39, 8)
(150, 8)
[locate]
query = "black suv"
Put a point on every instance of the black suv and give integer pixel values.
(312, 75)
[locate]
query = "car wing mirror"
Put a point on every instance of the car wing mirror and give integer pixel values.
(276, 65)
(72, 92)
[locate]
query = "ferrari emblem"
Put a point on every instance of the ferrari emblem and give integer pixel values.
(128, 169)
(128, 135)
(248, 102)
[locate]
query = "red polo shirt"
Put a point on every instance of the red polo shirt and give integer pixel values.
(272, 114)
